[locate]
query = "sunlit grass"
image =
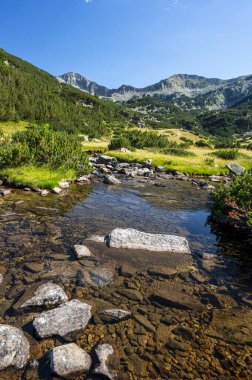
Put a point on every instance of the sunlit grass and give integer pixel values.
(98, 146)
(41, 177)
(10, 127)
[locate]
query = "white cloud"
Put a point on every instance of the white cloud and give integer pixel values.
(88, 1)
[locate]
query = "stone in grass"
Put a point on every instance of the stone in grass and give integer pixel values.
(235, 168)
(133, 239)
(44, 193)
(82, 251)
(103, 351)
(69, 317)
(46, 295)
(14, 347)
(69, 361)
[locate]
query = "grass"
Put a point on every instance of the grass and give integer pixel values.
(10, 127)
(95, 146)
(41, 177)
(190, 165)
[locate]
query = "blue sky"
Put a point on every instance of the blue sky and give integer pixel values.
(136, 42)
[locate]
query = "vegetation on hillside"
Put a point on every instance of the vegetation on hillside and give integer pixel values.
(28, 93)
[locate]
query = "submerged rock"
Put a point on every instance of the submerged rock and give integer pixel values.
(103, 351)
(133, 239)
(69, 360)
(71, 316)
(45, 295)
(14, 347)
(112, 315)
(82, 251)
(175, 299)
(99, 276)
(4, 192)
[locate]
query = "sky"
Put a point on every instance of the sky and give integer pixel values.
(134, 42)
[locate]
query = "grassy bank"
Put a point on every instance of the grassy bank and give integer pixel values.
(41, 177)
(192, 165)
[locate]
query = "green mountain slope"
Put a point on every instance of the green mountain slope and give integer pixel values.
(28, 93)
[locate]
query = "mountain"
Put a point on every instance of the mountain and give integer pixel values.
(189, 92)
(29, 93)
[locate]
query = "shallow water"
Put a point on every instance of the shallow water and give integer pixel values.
(44, 230)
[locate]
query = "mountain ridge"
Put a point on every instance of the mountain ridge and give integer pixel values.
(188, 91)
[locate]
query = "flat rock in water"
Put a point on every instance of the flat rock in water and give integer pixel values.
(14, 347)
(175, 299)
(82, 251)
(69, 360)
(46, 295)
(131, 294)
(103, 351)
(133, 239)
(99, 276)
(69, 317)
(235, 168)
(231, 325)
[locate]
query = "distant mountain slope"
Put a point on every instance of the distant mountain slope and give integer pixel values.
(189, 92)
(31, 94)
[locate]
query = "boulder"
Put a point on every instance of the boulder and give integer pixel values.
(44, 193)
(69, 317)
(82, 251)
(83, 178)
(46, 295)
(56, 190)
(160, 169)
(133, 239)
(69, 361)
(105, 160)
(125, 150)
(235, 168)
(14, 347)
(147, 163)
(111, 180)
(63, 185)
(103, 351)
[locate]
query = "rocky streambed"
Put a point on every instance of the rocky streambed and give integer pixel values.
(72, 306)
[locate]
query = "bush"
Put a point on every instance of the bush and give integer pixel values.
(227, 154)
(119, 142)
(226, 143)
(233, 202)
(209, 161)
(42, 146)
(201, 144)
(249, 146)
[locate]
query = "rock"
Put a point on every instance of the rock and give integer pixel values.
(216, 178)
(71, 316)
(131, 294)
(1, 278)
(46, 295)
(111, 180)
(160, 169)
(34, 267)
(127, 271)
(133, 239)
(14, 347)
(175, 299)
(1, 182)
(44, 193)
(162, 271)
(144, 322)
(4, 192)
(174, 344)
(56, 190)
(205, 185)
(231, 325)
(83, 178)
(125, 150)
(235, 168)
(147, 163)
(99, 276)
(112, 315)
(143, 172)
(63, 185)
(103, 351)
(69, 361)
(82, 251)
(105, 160)
(96, 238)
